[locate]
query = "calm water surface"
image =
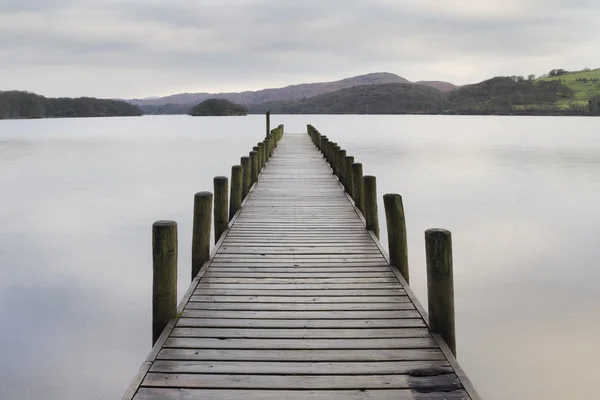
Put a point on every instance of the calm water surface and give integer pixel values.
(520, 196)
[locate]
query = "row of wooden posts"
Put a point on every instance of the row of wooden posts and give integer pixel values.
(438, 242)
(227, 202)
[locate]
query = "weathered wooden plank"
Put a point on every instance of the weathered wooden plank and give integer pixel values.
(235, 273)
(300, 306)
(303, 368)
(209, 291)
(301, 286)
(350, 355)
(304, 315)
(302, 299)
(297, 333)
(147, 393)
(295, 281)
(299, 344)
(299, 323)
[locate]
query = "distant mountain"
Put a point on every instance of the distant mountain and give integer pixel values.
(181, 103)
(391, 98)
(439, 85)
(23, 105)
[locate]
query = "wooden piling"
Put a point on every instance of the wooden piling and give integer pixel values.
(254, 162)
(164, 275)
(247, 176)
(235, 195)
(340, 164)
(440, 285)
(261, 155)
(372, 218)
(203, 202)
(221, 206)
(396, 230)
(359, 189)
(268, 115)
(324, 145)
(349, 177)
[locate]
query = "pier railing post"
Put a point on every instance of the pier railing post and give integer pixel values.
(334, 160)
(340, 164)
(440, 285)
(164, 275)
(261, 155)
(235, 196)
(201, 230)
(221, 204)
(254, 162)
(359, 189)
(396, 230)
(324, 146)
(268, 115)
(349, 178)
(247, 176)
(372, 218)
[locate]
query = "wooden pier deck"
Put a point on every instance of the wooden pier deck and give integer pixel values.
(299, 302)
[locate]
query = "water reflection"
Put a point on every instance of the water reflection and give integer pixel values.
(519, 195)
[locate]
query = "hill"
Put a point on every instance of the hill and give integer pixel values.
(18, 105)
(508, 95)
(181, 103)
(585, 86)
(217, 107)
(392, 98)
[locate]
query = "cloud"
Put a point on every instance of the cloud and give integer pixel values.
(135, 48)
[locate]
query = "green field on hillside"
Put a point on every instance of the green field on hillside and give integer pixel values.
(585, 85)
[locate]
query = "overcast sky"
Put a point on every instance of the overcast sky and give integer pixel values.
(139, 48)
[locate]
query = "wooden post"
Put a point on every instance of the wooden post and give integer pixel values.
(258, 155)
(247, 176)
(349, 178)
(370, 188)
(268, 122)
(201, 230)
(235, 198)
(261, 155)
(440, 285)
(324, 146)
(254, 172)
(164, 275)
(396, 230)
(332, 151)
(340, 164)
(359, 189)
(221, 203)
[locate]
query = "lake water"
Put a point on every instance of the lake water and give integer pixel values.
(520, 195)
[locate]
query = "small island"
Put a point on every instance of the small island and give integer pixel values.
(217, 107)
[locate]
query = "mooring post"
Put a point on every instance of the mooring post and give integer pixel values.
(334, 159)
(164, 275)
(268, 123)
(247, 176)
(201, 230)
(440, 285)
(254, 172)
(221, 204)
(261, 155)
(324, 146)
(349, 177)
(359, 189)
(235, 196)
(332, 151)
(396, 230)
(372, 218)
(341, 163)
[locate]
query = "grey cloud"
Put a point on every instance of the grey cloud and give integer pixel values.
(243, 42)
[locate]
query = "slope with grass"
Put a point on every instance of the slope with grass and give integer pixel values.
(584, 84)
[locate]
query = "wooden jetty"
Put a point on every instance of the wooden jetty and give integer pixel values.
(298, 300)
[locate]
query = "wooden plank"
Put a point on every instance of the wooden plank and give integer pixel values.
(147, 393)
(300, 286)
(209, 291)
(442, 382)
(234, 273)
(303, 368)
(301, 333)
(302, 280)
(299, 344)
(302, 299)
(303, 315)
(300, 306)
(299, 323)
(350, 355)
